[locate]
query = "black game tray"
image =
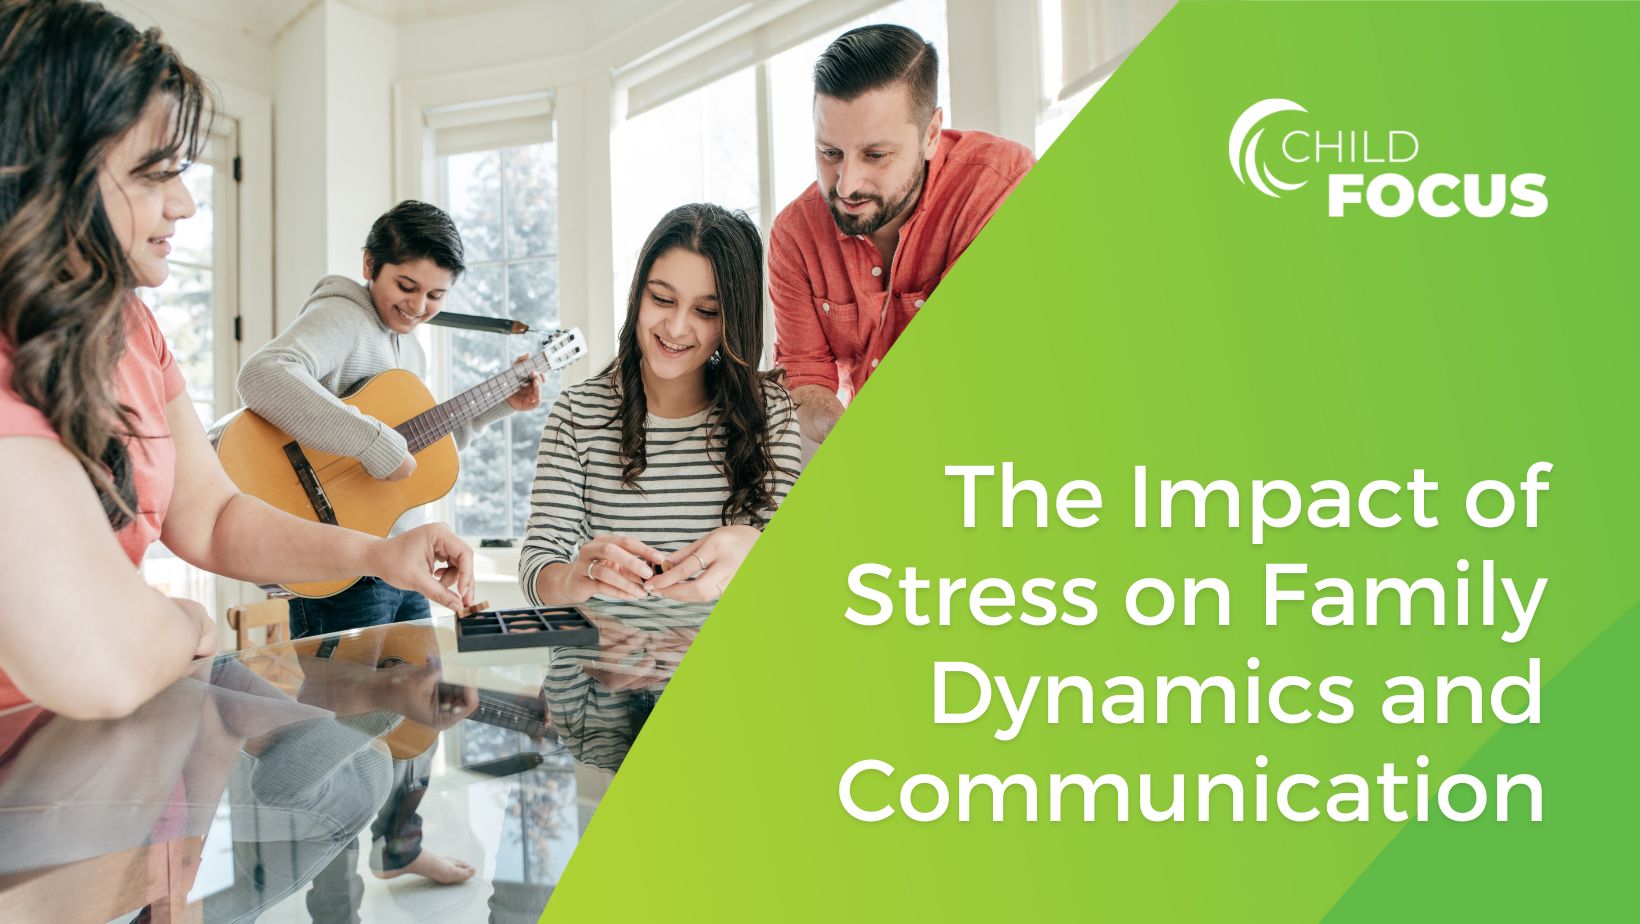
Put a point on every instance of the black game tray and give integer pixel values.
(530, 627)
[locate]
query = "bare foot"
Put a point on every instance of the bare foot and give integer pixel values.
(429, 865)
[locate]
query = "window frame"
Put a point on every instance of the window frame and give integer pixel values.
(436, 340)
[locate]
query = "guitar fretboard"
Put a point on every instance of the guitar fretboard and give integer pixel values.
(438, 421)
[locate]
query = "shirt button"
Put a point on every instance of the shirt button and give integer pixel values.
(825, 306)
(874, 364)
(917, 304)
(876, 271)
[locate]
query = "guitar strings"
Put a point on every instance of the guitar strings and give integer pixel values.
(463, 401)
(555, 354)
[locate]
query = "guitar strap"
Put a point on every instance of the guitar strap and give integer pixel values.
(478, 323)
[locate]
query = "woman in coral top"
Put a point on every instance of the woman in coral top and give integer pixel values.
(100, 449)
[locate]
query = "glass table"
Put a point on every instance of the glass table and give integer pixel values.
(273, 783)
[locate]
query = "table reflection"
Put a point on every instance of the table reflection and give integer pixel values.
(281, 759)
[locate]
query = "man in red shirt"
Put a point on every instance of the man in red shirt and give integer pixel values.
(854, 257)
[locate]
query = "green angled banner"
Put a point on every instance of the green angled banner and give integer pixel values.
(1244, 531)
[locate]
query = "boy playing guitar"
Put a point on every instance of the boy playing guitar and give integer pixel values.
(348, 332)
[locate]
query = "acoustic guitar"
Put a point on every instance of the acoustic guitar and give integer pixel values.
(388, 647)
(267, 463)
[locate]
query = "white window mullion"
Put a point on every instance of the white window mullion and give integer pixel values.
(767, 206)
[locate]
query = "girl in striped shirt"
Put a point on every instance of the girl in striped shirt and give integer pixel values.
(656, 476)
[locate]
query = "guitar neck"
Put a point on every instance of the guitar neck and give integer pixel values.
(440, 420)
(512, 712)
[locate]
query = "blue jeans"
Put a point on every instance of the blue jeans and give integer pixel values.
(370, 602)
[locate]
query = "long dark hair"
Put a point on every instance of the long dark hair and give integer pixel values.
(74, 78)
(729, 241)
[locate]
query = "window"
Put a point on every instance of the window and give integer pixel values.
(505, 201)
(1082, 43)
(700, 147)
(723, 141)
(195, 309)
(1057, 117)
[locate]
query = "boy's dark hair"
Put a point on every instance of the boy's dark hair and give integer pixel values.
(415, 230)
(873, 57)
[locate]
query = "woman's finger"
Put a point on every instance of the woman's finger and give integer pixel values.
(707, 586)
(640, 549)
(610, 577)
(681, 565)
(624, 561)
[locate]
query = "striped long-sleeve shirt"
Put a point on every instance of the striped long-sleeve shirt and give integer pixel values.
(599, 698)
(679, 497)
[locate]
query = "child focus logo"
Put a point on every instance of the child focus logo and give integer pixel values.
(1371, 169)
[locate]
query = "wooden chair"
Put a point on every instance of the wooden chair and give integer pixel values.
(277, 666)
(155, 878)
(273, 616)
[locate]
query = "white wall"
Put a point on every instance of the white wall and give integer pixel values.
(996, 86)
(602, 33)
(300, 161)
(220, 50)
(360, 55)
(333, 75)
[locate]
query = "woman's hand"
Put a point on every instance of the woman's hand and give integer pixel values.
(528, 395)
(700, 571)
(616, 566)
(430, 560)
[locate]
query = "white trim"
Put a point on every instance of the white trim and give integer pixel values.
(220, 153)
(254, 112)
(586, 253)
(766, 204)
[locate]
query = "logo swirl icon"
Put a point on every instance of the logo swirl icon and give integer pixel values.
(1244, 158)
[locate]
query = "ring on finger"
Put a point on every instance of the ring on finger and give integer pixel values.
(699, 559)
(593, 564)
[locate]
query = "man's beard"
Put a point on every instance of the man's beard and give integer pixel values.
(886, 212)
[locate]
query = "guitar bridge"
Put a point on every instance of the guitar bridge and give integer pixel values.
(310, 483)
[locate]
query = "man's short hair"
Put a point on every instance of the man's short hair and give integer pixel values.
(413, 231)
(873, 57)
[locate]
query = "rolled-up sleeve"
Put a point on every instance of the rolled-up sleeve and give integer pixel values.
(800, 344)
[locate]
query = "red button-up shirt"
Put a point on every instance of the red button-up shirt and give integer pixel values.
(837, 310)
